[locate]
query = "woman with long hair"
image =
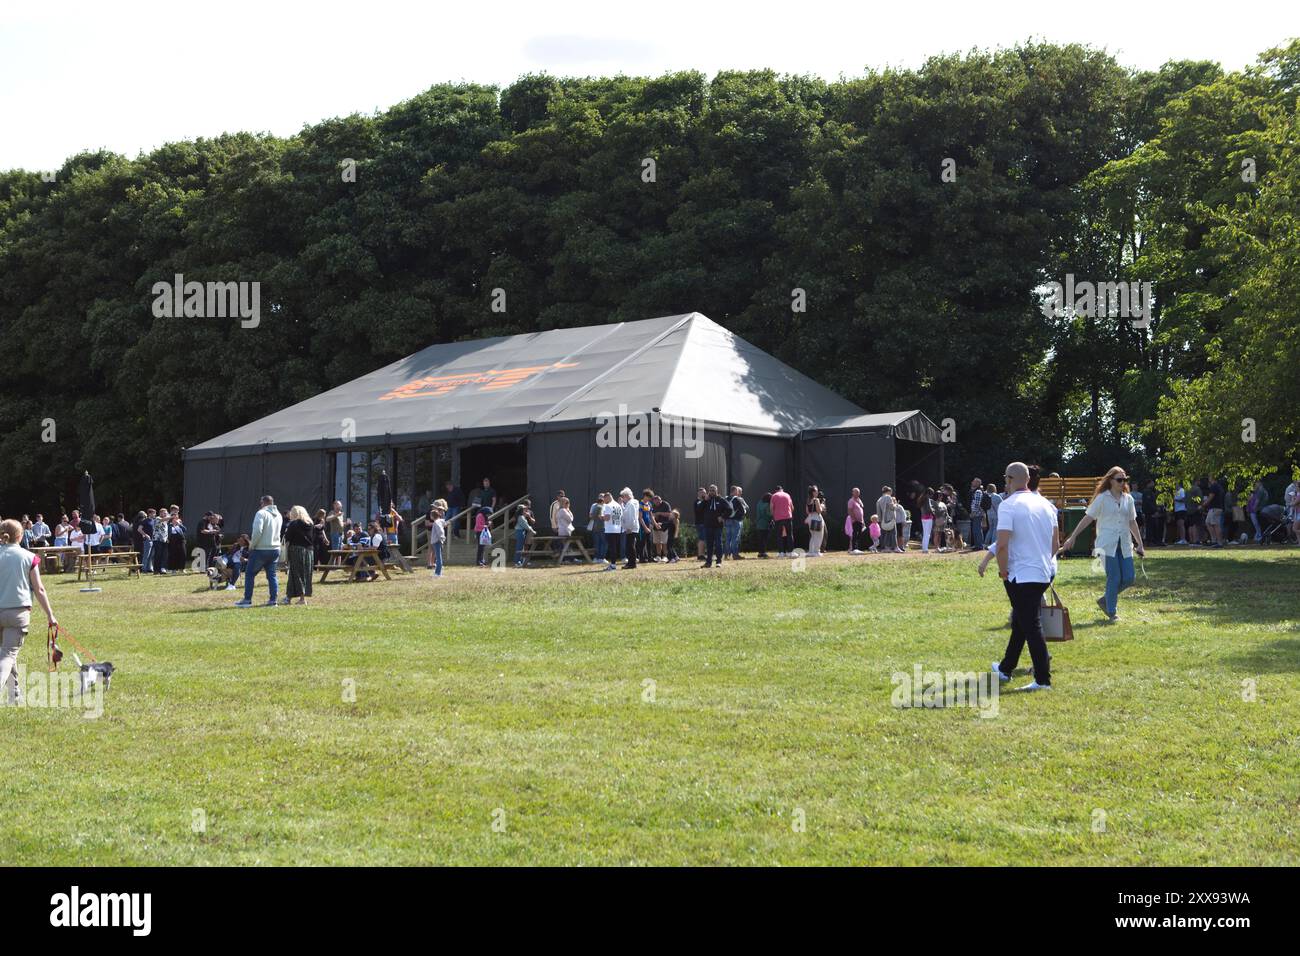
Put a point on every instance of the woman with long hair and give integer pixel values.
(816, 522)
(1115, 514)
(925, 503)
(299, 536)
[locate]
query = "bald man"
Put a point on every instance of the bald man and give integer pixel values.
(1028, 539)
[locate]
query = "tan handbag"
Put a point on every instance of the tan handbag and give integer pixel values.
(1055, 618)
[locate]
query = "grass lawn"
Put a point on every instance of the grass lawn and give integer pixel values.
(505, 718)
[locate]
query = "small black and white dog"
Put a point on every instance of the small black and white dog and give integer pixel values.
(91, 673)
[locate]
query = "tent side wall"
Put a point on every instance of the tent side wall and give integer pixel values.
(204, 478)
(233, 486)
(292, 478)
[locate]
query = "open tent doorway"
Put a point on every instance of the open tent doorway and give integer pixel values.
(505, 463)
(919, 462)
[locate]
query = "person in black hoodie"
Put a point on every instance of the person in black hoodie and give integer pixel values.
(716, 512)
(701, 533)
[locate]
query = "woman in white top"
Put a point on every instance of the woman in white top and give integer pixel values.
(563, 524)
(20, 578)
(1115, 513)
(816, 522)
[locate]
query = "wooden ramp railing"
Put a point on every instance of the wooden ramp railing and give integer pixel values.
(464, 548)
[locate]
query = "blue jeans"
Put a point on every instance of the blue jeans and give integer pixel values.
(437, 557)
(598, 542)
(1119, 575)
(257, 560)
(976, 533)
(519, 547)
(146, 553)
(733, 536)
(336, 541)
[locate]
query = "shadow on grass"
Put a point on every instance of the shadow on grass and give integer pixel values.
(1280, 656)
(1228, 587)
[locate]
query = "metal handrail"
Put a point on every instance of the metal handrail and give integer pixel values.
(420, 533)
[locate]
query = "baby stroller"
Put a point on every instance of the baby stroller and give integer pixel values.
(1273, 519)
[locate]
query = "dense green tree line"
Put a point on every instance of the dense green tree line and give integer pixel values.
(920, 211)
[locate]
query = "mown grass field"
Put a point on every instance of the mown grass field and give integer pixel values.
(520, 699)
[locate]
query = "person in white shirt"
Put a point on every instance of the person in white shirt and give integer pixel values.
(612, 514)
(563, 524)
(1028, 540)
(631, 526)
(1115, 513)
(263, 551)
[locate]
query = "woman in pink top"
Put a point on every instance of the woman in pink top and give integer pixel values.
(856, 518)
(783, 518)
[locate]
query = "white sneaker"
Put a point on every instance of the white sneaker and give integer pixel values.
(1002, 678)
(1034, 685)
(230, 587)
(1181, 541)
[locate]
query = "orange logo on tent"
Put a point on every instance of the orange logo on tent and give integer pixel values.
(491, 380)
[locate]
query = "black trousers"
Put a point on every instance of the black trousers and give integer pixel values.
(630, 542)
(1026, 628)
(613, 542)
(713, 545)
(855, 540)
(785, 535)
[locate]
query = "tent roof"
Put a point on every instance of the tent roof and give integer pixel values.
(912, 425)
(683, 365)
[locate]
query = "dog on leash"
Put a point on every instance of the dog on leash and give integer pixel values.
(219, 573)
(90, 674)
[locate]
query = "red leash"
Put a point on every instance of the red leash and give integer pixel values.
(52, 652)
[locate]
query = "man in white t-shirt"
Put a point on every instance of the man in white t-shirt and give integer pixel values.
(1028, 539)
(611, 512)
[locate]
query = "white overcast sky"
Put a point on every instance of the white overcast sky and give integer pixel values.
(130, 76)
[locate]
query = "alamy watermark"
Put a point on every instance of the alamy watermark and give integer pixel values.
(80, 690)
(942, 689)
(208, 300)
(649, 430)
(1116, 300)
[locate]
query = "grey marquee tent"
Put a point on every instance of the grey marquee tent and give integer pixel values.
(670, 403)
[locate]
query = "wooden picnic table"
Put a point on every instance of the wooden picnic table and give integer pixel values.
(56, 556)
(88, 564)
(366, 558)
(571, 546)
